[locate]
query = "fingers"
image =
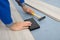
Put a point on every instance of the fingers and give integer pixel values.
(27, 23)
(25, 27)
(29, 10)
(18, 29)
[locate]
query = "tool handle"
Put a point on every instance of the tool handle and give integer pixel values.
(36, 15)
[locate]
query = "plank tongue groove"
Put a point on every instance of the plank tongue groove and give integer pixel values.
(50, 10)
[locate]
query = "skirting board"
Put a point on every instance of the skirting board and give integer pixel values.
(50, 10)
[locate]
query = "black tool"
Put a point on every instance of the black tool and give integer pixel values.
(34, 24)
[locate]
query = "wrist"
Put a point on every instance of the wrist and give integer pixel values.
(20, 4)
(23, 5)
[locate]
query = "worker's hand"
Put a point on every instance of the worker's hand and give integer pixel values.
(27, 9)
(20, 26)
